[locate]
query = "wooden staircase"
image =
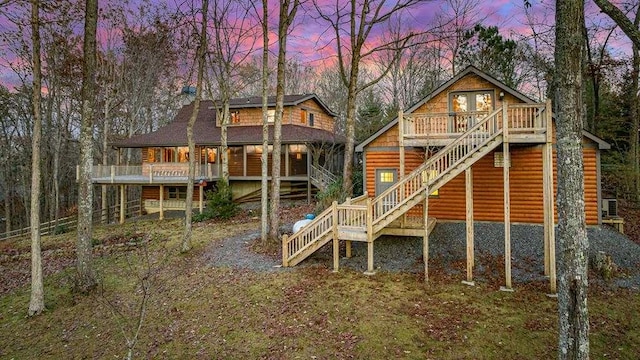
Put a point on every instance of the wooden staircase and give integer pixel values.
(321, 177)
(364, 218)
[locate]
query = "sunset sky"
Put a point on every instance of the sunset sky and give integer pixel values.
(309, 38)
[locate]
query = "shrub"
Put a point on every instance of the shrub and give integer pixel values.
(219, 204)
(332, 193)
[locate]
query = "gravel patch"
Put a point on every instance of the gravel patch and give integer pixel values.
(447, 250)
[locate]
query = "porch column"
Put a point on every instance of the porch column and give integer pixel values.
(425, 238)
(469, 224)
(401, 148)
(201, 198)
(161, 215)
(123, 201)
(549, 230)
(370, 270)
(336, 241)
(507, 201)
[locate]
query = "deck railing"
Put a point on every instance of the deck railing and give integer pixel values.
(523, 118)
(149, 171)
(436, 166)
(352, 217)
(319, 227)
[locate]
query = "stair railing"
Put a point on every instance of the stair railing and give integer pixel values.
(436, 166)
(298, 242)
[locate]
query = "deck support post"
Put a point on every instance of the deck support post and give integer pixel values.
(161, 215)
(548, 200)
(425, 238)
(123, 201)
(285, 255)
(201, 199)
(336, 241)
(507, 203)
(469, 225)
(403, 219)
(370, 270)
(347, 245)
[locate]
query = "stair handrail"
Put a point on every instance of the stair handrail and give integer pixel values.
(414, 181)
(322, 175)
(313, 226)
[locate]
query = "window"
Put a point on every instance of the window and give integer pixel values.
(428, 175)
(480, 101)
(154, 155)
(271, 116)
(297, 159)
(311, 119)
(235, 117)
(468, 108)
(177, 192)
(208, 155)
(386, 176)
(183, 154)
(168, 154)
(303, 116)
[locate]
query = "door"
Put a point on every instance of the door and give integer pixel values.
(468, 108)
(385, 178)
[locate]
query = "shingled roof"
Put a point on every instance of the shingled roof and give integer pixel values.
(206, 132)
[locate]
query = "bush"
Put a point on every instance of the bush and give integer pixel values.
(332, 193)
(219, 204)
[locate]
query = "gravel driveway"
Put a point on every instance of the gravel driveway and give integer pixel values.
(446, 247)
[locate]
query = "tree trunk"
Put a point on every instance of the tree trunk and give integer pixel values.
(186, 239)
(287, 14)
(86, 277)
(36, 303)
(635, 117)
(573, 342)
(224, 148)
(347, 173)
(264, 198)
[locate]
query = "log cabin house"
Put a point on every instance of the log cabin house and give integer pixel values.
(310, 152)
(450, 157)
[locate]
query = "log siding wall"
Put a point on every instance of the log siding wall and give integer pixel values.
(291, 115)
(525, 181)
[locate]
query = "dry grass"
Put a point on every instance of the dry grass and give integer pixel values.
(197, 311)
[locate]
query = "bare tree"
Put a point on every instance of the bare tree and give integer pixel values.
(628, 27)
(288, 11)
(36, 303)
(573, 340)
(233, 42)
(352, 24)
(201, 58)
(86, 277)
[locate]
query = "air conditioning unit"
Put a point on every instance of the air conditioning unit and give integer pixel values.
(609, 208)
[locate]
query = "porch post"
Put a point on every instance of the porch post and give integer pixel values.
(308, 175)
(201, 195)
(401, 148)
(336, 241)
(425, 237)
(123, 201)
(161, 215)
(469, 224)
(507, 203)
(370, 270)
(549, 230)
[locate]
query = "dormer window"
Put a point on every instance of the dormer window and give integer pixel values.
(235, 117)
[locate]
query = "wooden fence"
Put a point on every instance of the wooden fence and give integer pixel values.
(69, 223)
